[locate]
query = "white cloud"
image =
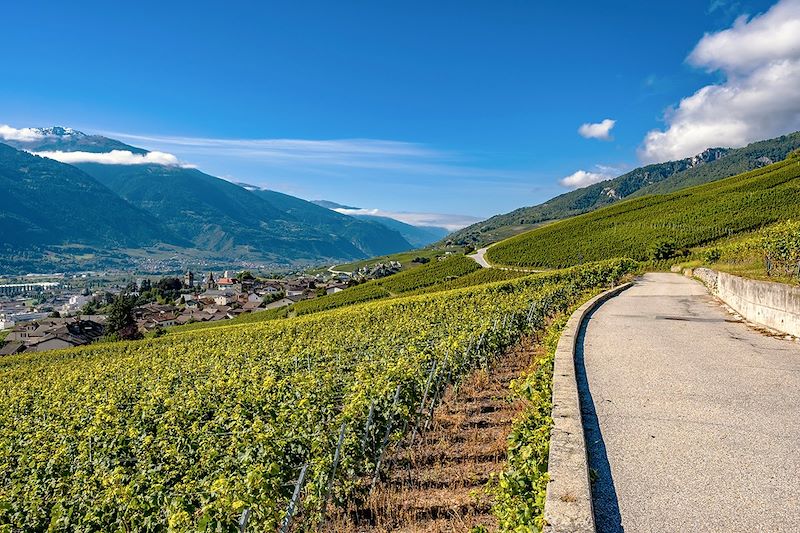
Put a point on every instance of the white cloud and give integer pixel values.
(8, 133)
(449, 222)
(597, 130)
(115, 157)
(759, 98)
(583, 178)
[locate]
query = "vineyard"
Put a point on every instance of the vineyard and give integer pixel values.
(687, 218)
(450, 273)
(249, 427)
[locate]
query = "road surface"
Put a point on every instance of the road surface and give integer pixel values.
(479, 258)
(692, 418)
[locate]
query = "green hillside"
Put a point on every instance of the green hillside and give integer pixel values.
(45, 205)
(369, 237)
(226, 219)
(686, 218)
(659, 178)
(111, 214)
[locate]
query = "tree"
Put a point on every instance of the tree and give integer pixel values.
(167, 285)
(245, 275)
(120, 317)
(89, 308)
(662, 250)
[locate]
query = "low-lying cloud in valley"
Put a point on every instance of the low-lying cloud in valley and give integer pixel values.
(439, 220)
(115, 157)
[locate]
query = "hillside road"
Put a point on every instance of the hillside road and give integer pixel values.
(479, 257)
(692, 418)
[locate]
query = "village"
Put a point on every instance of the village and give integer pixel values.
(38, 316)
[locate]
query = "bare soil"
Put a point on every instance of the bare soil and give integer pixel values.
(438, 483)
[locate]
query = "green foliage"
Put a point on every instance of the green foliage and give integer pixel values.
(712, 255)
(120, 316)
(781, 245)
(430, 274)
(521, 487)
(184, 432)
(400, 283)
(691, 217)
(358, 294)
(662, 250)
(477, 277)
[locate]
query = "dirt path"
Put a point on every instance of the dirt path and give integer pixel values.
(437, 485)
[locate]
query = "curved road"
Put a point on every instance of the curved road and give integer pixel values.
(692, 418)
(479, 257)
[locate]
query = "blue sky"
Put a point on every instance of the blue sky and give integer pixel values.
(463, 107)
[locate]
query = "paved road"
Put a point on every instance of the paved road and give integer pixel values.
(479, 258)
(692, 418)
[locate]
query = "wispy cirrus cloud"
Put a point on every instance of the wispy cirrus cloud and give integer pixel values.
(330, 156)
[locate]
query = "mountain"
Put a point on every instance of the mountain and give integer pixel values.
(686, 218)
(332, 205)
(659, 178)
(45, 202)
(179, 211)
(419, 236)
(365, 234)
(62, 139)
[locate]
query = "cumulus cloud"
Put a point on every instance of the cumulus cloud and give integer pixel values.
(583, 178)
(597, 130)
(8, 133)
(759, 97)
(441, 220)
(115, 157)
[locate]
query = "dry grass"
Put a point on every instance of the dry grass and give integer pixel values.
(437, 484)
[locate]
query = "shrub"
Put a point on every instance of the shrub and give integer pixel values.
(712, 256)
(781, 246)
(662, 250)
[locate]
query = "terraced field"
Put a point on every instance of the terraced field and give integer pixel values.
(200, 430)
(690, 217)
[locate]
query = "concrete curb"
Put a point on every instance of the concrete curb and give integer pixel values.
(568, 505)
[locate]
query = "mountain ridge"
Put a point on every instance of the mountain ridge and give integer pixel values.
(657, 178)
(180, 208)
